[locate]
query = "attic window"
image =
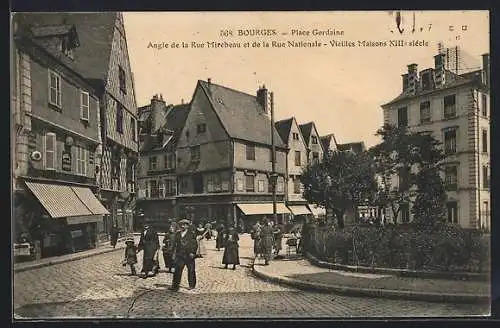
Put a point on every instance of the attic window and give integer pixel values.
(219, 100)
(295, 136)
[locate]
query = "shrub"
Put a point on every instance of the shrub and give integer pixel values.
(447, 248)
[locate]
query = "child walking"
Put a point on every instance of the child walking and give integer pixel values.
(130, 255)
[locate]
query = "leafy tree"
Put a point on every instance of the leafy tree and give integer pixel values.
(339, 181)
(429, 206)
(402, 152)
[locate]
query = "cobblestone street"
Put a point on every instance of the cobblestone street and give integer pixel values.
(99, 286)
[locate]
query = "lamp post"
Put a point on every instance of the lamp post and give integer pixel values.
(274, 175)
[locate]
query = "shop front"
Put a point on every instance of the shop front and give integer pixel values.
(300, 214)
(253, 212)
(66, 218)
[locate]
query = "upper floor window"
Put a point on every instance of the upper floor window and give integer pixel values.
(485, 141)
(451, 209)
(425, 112)
(484, 105)
(486, 177)
(169, 160)
(50, 151)
(314, 140)
(133, 128)
(195, 153)
(296, 186)
(450, 142)
(123, 80)
(279, 186)
(260, 186)
(153, 162)
(201, 128)
(153, 184)
(250, 183)
(250, 152)
(84, 106)
(298, 161)
(295, 136)
(315, 155)
(119, 117)
(402, 117)
(161, 189)
(451, 176)
(55, 95)
(450, 109)
(81, 160)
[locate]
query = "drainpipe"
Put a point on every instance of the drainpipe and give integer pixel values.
(476, 109)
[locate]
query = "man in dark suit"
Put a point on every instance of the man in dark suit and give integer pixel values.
(185, 246)
(149, 243)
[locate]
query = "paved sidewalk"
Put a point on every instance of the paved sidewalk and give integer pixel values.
(101, 249)
(301, 274)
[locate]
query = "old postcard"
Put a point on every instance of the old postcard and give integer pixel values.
(232, 165)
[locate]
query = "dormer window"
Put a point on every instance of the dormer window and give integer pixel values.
(69, 42)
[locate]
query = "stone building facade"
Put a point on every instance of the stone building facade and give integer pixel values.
(455, 109)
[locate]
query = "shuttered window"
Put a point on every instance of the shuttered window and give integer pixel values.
(50, 151)
(84, 106)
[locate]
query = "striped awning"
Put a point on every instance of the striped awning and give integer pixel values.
(59, 200)
(89, 199)
(262, 208)
(299, 209)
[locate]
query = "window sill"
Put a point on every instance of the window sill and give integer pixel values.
(449, 118)
(55, 107)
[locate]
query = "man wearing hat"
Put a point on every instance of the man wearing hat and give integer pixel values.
(149, 243)
(185, 245)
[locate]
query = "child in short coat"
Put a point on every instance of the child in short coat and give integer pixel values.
(130, 255)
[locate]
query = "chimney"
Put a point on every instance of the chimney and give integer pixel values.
(405, 82)
(427, 79)
(158, 110)
(182, 101)
(439, 70)
(412, 78)
(486, 70)
(263, 99)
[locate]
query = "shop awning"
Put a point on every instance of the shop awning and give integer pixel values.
(89, 199)
(59, 200)
(299, 209)
(84, 219)
(263, 208)
(317, 211)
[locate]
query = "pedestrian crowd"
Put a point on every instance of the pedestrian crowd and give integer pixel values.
(183, 243)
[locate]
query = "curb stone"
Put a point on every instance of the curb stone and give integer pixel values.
(369, 292)
(59, 261)
(398, 272)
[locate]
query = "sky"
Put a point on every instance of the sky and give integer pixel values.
(340, 88)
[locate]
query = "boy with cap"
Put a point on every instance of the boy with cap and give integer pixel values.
(130, 254)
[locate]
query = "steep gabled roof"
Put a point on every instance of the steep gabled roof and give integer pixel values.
(284, 127)
(95, 35)
(326, 141)
(171, 128)
(241, 114)
(357, 147)
(306, 130)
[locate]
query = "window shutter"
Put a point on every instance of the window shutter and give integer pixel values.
(84, 105)
(86, 160)
(50, 151)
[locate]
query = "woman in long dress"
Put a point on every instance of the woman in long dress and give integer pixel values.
(278, 238)
(219, 240)
(231, 252)
(267, 242)
(200, 235)
(256, 236)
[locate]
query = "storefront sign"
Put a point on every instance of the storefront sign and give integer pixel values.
(66, 161)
